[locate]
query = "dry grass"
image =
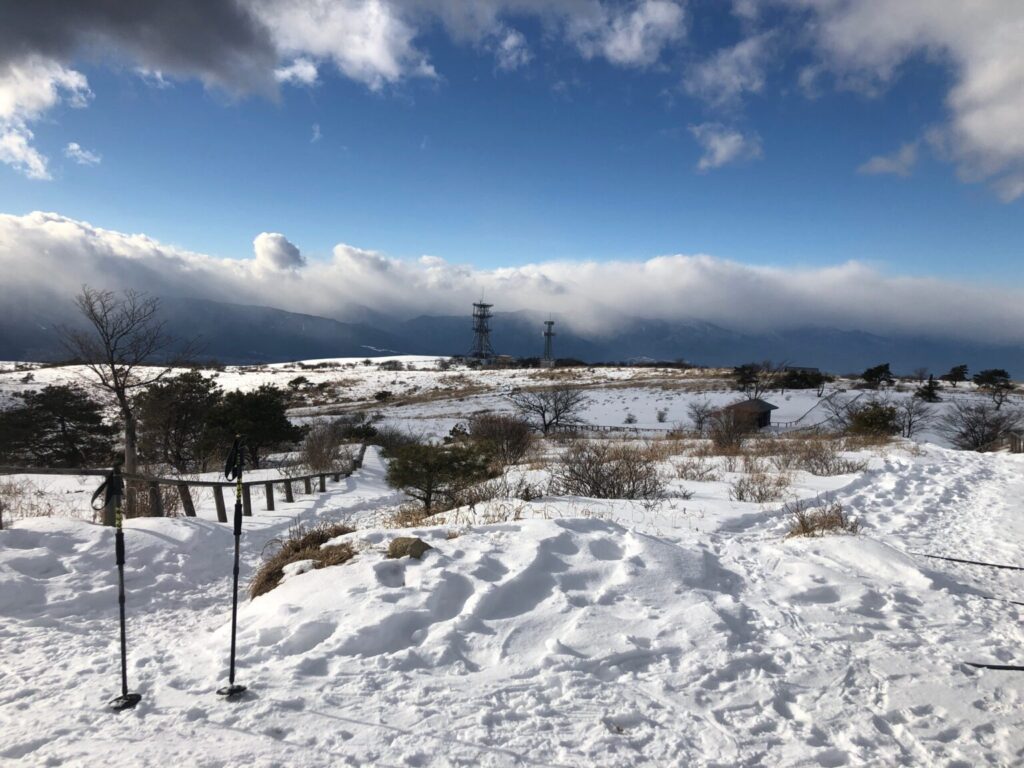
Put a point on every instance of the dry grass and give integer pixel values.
(301, 544)
(408, 515)
(867, 442)
(808, 520)
(21, 498)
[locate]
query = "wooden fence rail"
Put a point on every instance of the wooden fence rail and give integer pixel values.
(184, 486)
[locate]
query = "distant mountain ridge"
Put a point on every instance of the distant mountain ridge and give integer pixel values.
(244, 334)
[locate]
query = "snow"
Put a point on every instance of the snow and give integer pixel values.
(564, 631)
(606, 634)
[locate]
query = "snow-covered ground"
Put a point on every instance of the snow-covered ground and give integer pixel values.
(563, 631)
(610, 634)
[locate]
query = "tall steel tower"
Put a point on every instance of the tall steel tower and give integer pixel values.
(548, 361)
(482, 349)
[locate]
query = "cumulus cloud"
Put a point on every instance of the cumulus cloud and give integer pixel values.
(865, 43)
(299, 72)
(512, 51)
(722, 145)
(729, 74)
(43, 251)
(75, 151)
(898, 163)
(633, 37)
(275, 253)
(28, 89)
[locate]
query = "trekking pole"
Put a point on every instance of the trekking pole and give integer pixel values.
(112, 490)
(234, 467)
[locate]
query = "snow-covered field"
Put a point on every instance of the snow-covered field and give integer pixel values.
(573, 632)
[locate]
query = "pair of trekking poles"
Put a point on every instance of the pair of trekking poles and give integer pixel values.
(112, 491)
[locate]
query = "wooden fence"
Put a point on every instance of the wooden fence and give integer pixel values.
(184, 486)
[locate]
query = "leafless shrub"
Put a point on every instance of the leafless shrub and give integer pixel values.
(818, 456)
(914, 414)
(757, 484)
(323, 448)
(606, 470)
(810, 520)
(507, 438)
(700, 415)
(697, 470)
(728, 430)
(979, 425)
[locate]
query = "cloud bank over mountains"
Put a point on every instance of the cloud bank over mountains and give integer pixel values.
(49, 256)
(260, 46)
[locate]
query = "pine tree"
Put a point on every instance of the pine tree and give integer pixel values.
(58, 426)
(929, 392)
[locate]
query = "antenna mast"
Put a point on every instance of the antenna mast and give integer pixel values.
(548, 361)
(482, 349)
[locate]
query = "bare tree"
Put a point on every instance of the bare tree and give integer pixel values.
(914, 414)
(700, 414)
(979, 425)
(123, 336)
(920, 374)
(550, 408)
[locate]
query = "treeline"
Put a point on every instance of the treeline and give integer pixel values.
(184, 422)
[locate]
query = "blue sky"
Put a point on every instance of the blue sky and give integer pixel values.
(562, 158)
(848, 163)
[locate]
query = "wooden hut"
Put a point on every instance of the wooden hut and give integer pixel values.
(756, 413)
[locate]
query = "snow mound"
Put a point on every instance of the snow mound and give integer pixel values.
(527, 594)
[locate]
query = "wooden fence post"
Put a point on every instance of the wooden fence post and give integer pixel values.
(186, 500)
(289, 496)
(156, 502)
(269, 488)
(218, 497)
(246, 501)
(323, 483)
(307, 485)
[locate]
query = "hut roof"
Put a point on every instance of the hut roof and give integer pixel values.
(757, 405)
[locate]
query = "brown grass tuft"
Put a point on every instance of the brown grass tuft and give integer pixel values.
(302, 544)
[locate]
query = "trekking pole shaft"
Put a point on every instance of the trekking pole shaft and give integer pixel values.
(119, 549)
(234, 591)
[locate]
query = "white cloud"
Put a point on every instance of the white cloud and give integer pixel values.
(368, 40)
(865, 43)
(275, 253)
(28, 89)
(16, 150)
(317, 135)
(722, 145)
(301, 71)
(725, 77)
(898, 163)
(43, 251)
(631, 37)
(512, 51)
(75, 151)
